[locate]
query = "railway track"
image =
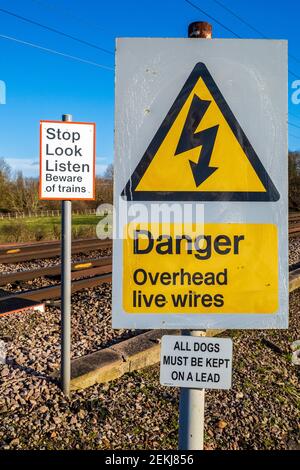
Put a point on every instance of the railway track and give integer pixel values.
(83, 268)
(84, 274)
(53, 292)
(294, 217)
(93, 272)
(81, 279)
(294, 230)
(294, 224)
(17, 253)
(34, 251)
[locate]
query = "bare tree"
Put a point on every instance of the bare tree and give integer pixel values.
(109, 172)
(104, 191)
(294, 167)
(20, 194)
(23, 194)
(5, 173)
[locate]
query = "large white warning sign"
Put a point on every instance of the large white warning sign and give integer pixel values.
(201, 181)
(67, 160)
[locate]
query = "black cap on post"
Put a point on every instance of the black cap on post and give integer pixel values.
(200, 29)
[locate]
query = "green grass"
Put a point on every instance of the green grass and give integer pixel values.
(48, 222)
(46, 228)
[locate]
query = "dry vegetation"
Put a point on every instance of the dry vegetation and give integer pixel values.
(294, 180)
(19, 195)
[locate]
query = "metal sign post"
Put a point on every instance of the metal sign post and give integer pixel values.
(191, 401)
(191, 413)
(67, 172)
(66, 247)
(198, 362)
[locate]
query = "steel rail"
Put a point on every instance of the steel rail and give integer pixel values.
(53, 292)
(51, 252)
(294, 230)
(25, 247)
(84, 265)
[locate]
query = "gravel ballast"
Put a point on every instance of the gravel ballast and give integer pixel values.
(261, 411)
(294, 250)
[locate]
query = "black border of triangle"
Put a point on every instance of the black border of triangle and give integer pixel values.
(271, 194)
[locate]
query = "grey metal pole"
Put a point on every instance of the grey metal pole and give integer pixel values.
(66, 245)
(191, 402)
(191, 412)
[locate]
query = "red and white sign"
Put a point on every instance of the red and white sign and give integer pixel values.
(67, 160)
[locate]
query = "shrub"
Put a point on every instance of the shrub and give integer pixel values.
(83, 232)
(40, 233)
(14, 232)
(56, 231)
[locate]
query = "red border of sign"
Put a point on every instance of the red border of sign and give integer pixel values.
(94, 165)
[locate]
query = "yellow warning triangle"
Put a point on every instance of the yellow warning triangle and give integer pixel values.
(200, 152)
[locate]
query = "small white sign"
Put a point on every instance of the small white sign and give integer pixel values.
(196, 362)
(67, 160)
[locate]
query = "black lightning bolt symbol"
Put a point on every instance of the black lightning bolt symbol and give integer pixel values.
(189, 140)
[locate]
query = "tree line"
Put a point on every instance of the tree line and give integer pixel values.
(294, 167)
(294, 181)
(20, 194)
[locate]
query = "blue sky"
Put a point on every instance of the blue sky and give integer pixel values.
(42, 85)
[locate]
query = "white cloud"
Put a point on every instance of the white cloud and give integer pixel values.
(100, 169)
(29, 167)
(101, 165)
